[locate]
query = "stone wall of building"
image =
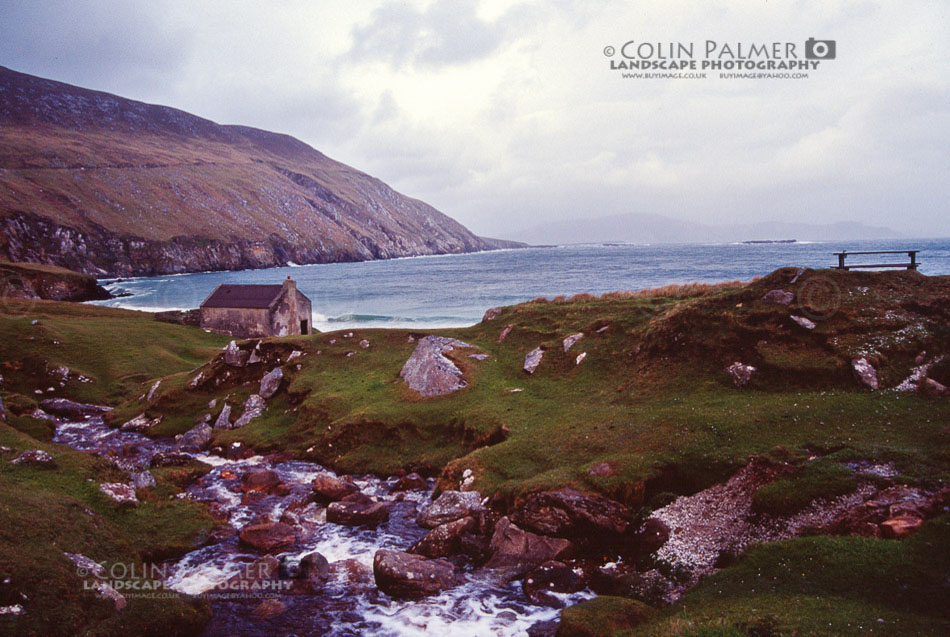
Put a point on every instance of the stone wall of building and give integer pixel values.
(239, 322)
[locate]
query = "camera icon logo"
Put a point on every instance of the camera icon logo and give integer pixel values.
(820, 49)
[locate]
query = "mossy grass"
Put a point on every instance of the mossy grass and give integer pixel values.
(819, 479)
(45, 512)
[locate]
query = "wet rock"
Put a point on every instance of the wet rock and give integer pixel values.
(356, 574)
(515, 551)
(865, 372)
(569, 341)
(234, 356)
(268, 608)
(170, 459)
(404, 575)
(224, 418)
(450, 506)
(444, 540)
(779, 297)
(551, 577)
(253, 407)
(119, 493)
(410, 482)
(143, 480)
(197, 438)
(505, 332)
(66, 408)
(428, 372)
(140, 423)
(547, 628)
(572, 514)
(804, 322)
(533, 359)
(264, 481)
(326, 488)
(221, 533)
(651, 536)
(268, 536)
(314, 571)
(271, 382)
(34, 458)
(358, 510)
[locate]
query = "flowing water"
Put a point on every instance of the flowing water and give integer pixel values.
(345, 605)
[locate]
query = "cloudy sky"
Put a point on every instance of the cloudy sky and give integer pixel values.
(505, 114)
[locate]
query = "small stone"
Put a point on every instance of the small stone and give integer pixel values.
(224, 418)
(741, 374)
(865, 372)
(253, 407)
(569, 341)
(143, 480)
(36, 458)
(804, 322)
(901, 526)
(533, 359)
(364, 344)
(779, 297)
(119, 493)
(505, 332)
(580, 358)
(151, 392)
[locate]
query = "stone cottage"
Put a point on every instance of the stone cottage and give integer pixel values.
(251, 311)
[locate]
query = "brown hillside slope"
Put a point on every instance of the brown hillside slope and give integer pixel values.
(102, 184)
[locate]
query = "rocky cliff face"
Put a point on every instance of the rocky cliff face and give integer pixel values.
(30, 281)
(107, 185)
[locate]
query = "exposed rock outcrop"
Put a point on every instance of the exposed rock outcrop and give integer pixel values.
(197, 438)
(253, 407)
(865, 372)
(571, 514)
(741, 373)
(516, 551)
(428, 372)
(36, 458)
(66, 408)
(270, 383)
(533, 359)
(120, 493)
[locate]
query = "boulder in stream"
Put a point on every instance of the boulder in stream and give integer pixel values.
(326, 488)
(197, 438)
(269, 536)
(450, 506)
(65, 408)
(358, 510)
(405, 575)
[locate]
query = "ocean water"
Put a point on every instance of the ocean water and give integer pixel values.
(455, 290)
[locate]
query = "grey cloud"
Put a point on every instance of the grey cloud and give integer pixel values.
(445, 33)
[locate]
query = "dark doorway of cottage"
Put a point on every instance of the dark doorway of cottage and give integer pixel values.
(303, 327)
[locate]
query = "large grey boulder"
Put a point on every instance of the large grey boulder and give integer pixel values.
(429, 372)
(197, 438)
(450, 506)
(271, 382)
(253, 407)
(405, 575)
(444, 540)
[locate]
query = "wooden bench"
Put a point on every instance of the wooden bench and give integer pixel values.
(910, 266)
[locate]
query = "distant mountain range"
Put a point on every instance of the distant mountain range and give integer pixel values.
(650, 228)
(106, 185)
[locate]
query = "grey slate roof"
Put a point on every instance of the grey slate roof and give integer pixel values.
(243, 296)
